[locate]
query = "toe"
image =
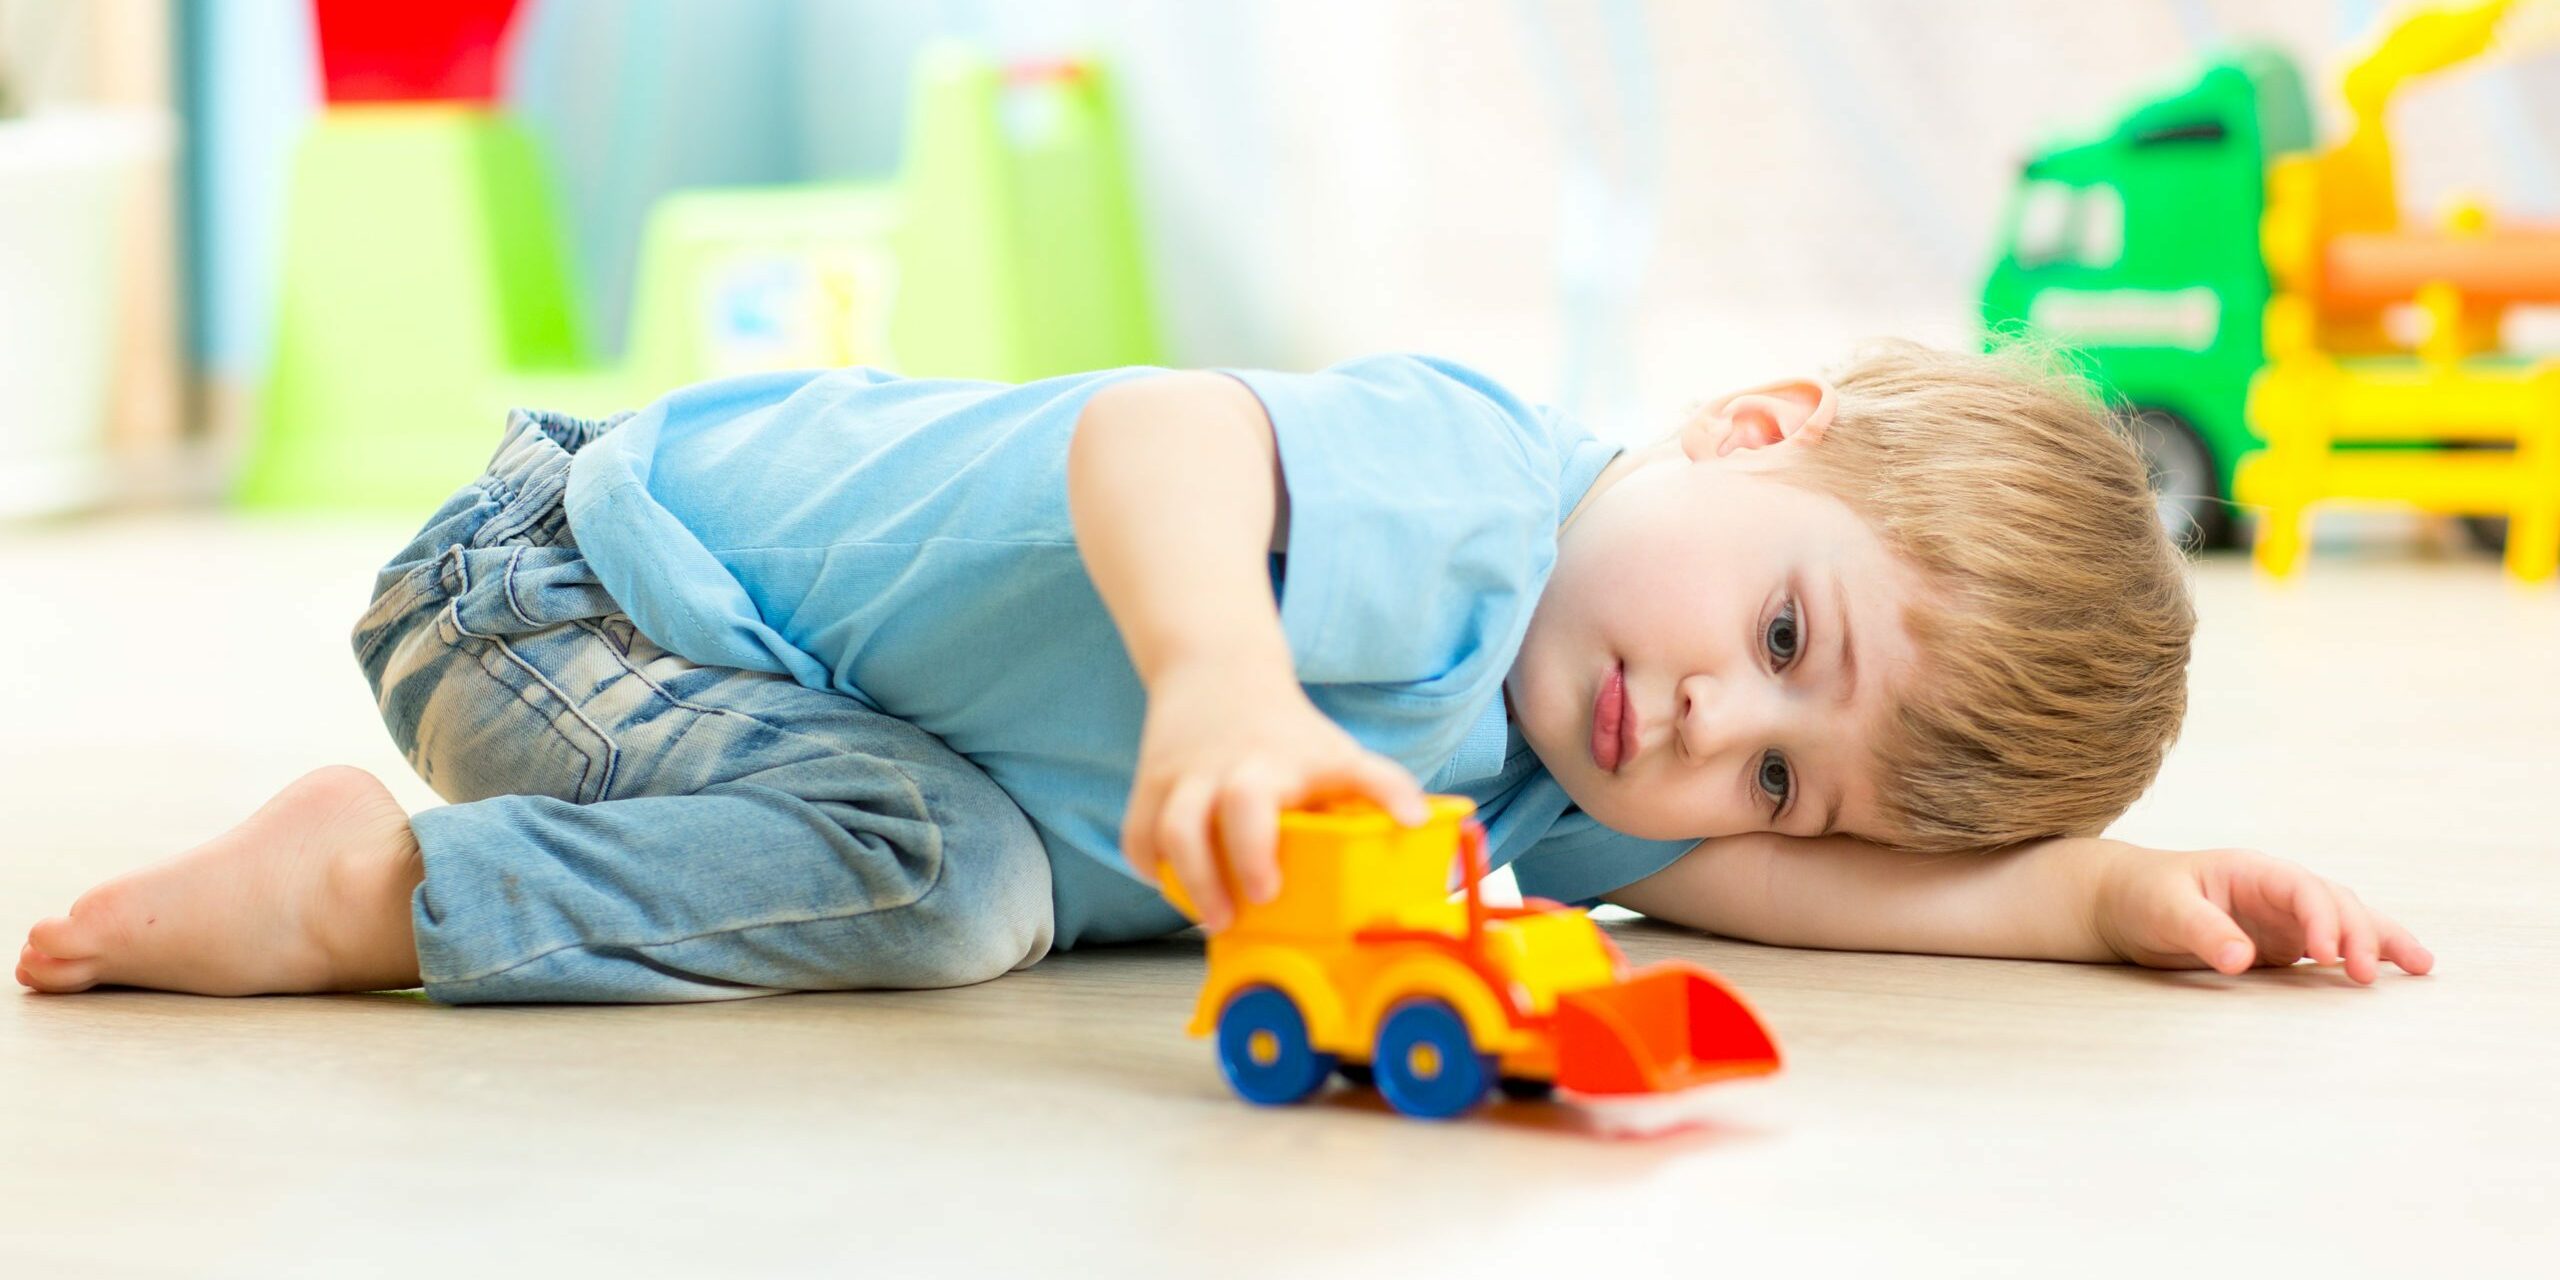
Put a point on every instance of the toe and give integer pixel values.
(65, 938)
(54, 975)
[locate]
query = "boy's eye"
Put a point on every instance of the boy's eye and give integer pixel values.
(1776, 780)
(1785, 636)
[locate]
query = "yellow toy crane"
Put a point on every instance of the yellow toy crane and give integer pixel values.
(2342, 259)
(1367, 964)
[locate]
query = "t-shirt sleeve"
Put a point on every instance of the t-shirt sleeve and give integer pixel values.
(1579, 861)
(1422, 515)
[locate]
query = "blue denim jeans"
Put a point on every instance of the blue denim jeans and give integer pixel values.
(628, 826)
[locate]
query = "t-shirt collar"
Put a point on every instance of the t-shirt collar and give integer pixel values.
(1582, 467)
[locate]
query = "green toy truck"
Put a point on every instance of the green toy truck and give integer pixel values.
(2137, 246)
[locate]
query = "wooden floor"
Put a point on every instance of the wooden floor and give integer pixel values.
(2390, 721)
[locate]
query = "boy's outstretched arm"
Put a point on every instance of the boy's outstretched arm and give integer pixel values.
(1175, 487)
(2067, 899)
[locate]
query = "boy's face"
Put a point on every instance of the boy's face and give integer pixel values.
(1717, 649)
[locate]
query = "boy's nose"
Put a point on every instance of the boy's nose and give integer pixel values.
(1709, 714)
(1691, 701)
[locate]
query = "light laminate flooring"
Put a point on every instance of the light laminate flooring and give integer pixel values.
(2391, 720)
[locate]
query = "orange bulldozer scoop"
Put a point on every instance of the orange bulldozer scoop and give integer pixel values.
(1665, 1028)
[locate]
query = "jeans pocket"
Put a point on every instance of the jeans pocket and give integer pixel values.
(492, 721)
(394, 610)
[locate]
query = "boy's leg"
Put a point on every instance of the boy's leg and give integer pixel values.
(310, 893)
(639, 828)
(822, 869)
(631, 826)
(827, 847)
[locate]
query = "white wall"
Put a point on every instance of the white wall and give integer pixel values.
(1326, 177)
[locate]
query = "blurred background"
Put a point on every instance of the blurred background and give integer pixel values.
(235, 270)
(271, 271)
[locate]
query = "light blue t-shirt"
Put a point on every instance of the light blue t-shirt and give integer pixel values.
(907, 542)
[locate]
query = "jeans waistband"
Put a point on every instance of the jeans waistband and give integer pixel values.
(530, 471)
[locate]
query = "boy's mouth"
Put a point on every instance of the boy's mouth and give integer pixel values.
(1613, 722)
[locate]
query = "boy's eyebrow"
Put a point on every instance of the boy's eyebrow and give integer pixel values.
(1847, 661)
(1848, 654)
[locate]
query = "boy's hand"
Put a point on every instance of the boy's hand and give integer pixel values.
(1226, 747)
(2231, 909)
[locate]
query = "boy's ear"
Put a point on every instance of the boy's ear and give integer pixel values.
(1798, 409)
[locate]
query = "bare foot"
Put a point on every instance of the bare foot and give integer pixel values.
(310, 893)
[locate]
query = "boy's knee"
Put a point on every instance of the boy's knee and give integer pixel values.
(987, 914)
(955, 877)
(981, 948)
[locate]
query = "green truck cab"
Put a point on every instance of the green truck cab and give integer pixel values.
(2137, 248)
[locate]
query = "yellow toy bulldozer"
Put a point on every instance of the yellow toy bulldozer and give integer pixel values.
(1367, 964)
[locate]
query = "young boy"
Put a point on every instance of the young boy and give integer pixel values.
(836, 680)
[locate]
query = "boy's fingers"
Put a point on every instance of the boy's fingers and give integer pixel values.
(1182, 845)
(2209, 933)
(1248, 826)
(1138, 840)
(2402, 948)
(2356, 946)
(2317, 912)
(1393, 788)
(2356, 943)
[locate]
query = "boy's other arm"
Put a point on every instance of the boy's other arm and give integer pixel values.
(1839, 893)
(2080, 899)
(1176, 491)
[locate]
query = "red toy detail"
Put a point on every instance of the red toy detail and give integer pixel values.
(381, 51)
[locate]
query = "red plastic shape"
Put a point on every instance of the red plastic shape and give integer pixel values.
(404, 51)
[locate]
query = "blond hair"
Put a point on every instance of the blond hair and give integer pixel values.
(2053, 624)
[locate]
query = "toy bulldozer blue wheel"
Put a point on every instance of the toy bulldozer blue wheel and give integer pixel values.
(1262, 1044)
(1427, 1064)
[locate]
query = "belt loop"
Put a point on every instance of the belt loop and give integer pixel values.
(507, 588)
(450, 572)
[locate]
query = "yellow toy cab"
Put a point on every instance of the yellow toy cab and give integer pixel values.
(1367, 964)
